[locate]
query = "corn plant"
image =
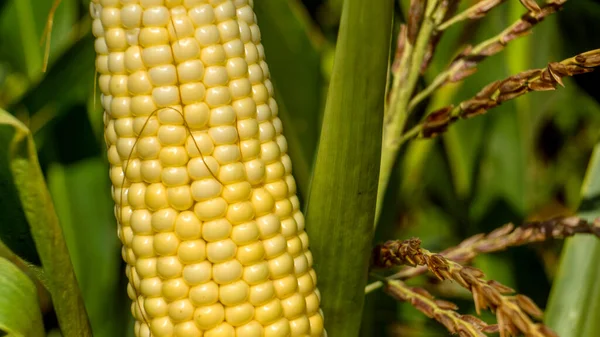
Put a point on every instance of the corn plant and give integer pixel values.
(148, 189)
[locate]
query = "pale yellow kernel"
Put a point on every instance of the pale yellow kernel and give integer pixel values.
(201, 15)
(156, 307)
(305, 284)
(295, 202)
(153, 36)
(161, 327)
(245, 34)
(293, 306)
(224, 11)
(263, 113)
(142, 105)
(256, 273)
(181, 310)
(166, 243)
(175, 6)
(300, 327)
(136, 196)
(251, 54)
(151, 287)
(309, 258)
(102, 64)
(229, 154)
(221, 251)
(120, 196)
(172, 135)
(124, 127)
(236, 67)
(204, 294)
(213, 54)
(276, 123)
(115, 39)
(291, 184)
(245, 12)
(198, 273)
(116, 62)
(192, 251)
(289, 229)
(255, 171)
(312, 303)
(284, 208)
(234, 49)
(208, 317)
(164, 74)
(137, 309)
(187, 329)
(269, 312)
(190, 71)
(156, 196)
(275, 246)
(278, 188)
(215, 76)
(123, 214)
(175, 176)
(206, 36)
(218, 96)
(227, 272)
(237, 192)
(262, 201)
(151, 171)
(186, 49)
(256, 35)
(316, 325)
(192, 93)
(97, 28)
(299, 217)
(187, 226)
(181, 26)
(252, 329)
(142, 246)
(250, 149)
(125, 148)
(110, 17)
(116, 176)
(251, 254)
(120, 107)
(244, 108)
(222, 330)
(286, 286)
(118, 85)
(279, 328)
(247, 128)
(157, 16)
(141, 221)
(210, 209)
(206, 189)
(166, 95)
(234, 294)
(240, 212)
(146, 267)
(245, 233)
(281, 266)
(127, 235)
(228, 30)
(103, 83)
(144, 330)
(157, 55)
(240, 88)
(171, 115)
(216, 230)
(267, 131)
(131, 16)
(240, 314)
(269, 225)
(173, 156)
(139, 83)
(180, 197)
(169, 267)
(282, 143)
(294, 245)
(260, 294)
(199, 144)
(175, 289)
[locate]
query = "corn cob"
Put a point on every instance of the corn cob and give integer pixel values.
(207, 211)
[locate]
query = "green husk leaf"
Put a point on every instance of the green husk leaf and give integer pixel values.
(341, 203)
(20, 314)
(574, 303)
(44, 226)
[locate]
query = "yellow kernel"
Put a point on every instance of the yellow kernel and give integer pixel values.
(274, 174)
(166, 95)
(301, 264)
(197, 273)
(227, 272)
(210, 209)
(224, 134)
(263, 112)
(180, 197)
(133, 59)
(187, 329)
(164, 74)
(239, 315)
(222, 330)
(279, 328)
(227, 154)
(175, 289)
(148, 147)
(181, 26)
(218, 96)
(269, 225)
(125, 148)
(247, 128)
(116, 63)
(142, 105)
(202, 15)
(173, 156)
(186, 49)
(293, 306)
(234, 293)
(206, 189)
(187, 226)
(131, 16)
(305, 284)
(316, 325)
(156, 197)
(181, 310)
(161, 327)
(169, 267)
(139, 83)
(190, 71)
(175, 176)
(164, 219)
(262, 201)
(206, 36)
(156, 16)
(281, 266)
(228, 30)
(220, 251)
(215, 76)
(115, 39)
(250, 254)
(312, 303)
(199, 144)
(192, 251)
(245, 233)
(203, 167)
(240, 212)
(146, 267)
(237, 192)
(286, 286)
(299, 217)
(192, 93)
(156, 307)
(260, 294)
(252, 329)
(142, 246)
(240, 88)
(165, 243)
(294, 246)
(171, 115)
(255, 171)
(210, 316)
(257, 273)
(196, 115)
(275, 246)
(244, 108)
(284, 208)
(157, 55)
(153, 36)
(289, 228)
(269, 312)
(151, 287)
(216, 230)
(204, 294)
(250, 149)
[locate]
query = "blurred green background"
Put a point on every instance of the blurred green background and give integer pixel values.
(524, 160)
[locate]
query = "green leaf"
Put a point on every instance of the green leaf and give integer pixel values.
(20, 314)
(341, 203)
(574, 305)
(294, 61)
(45, 228)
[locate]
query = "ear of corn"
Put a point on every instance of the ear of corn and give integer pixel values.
(207, 211)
